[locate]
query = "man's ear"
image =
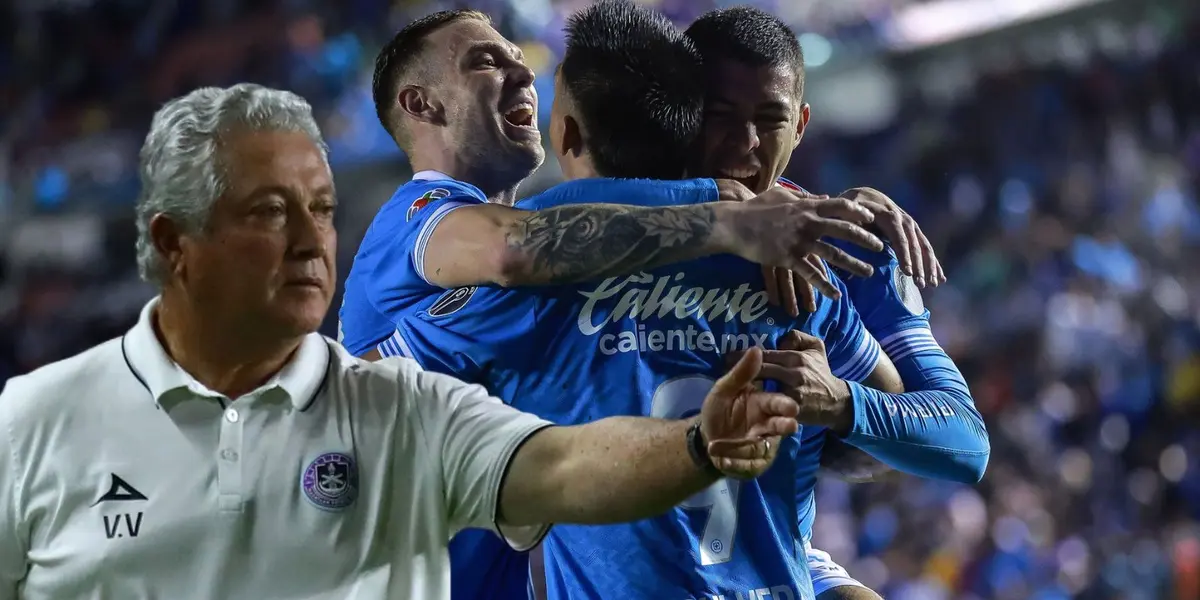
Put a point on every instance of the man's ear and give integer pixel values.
(801, 123)
(421, 104)
(167, 239)
(572, 137)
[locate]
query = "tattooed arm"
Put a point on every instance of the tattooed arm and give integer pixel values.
(500, 245)
(494, 244)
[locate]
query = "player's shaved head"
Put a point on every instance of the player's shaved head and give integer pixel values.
(400, 61)
(635, 84)
(751, 36)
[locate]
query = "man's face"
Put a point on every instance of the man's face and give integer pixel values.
(753, 120)
(266, 260)
(487, 94)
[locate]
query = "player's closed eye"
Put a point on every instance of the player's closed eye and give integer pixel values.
(771, 122)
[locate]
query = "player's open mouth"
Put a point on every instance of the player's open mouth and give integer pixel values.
(518, 122)
(745, 176)
(520, 115)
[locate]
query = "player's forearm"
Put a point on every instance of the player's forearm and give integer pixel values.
(933, 430)
(850, 464)
(610, 471)
(846, 462)
(579, 242)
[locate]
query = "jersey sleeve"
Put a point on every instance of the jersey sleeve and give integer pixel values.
(388, 275)
(391, 258)
(851, 350)
(12, 546)
(933, 429)
(475, 437)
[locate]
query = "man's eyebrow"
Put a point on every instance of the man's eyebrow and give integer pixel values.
(497, 47)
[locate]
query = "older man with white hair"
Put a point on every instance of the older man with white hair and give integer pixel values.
(222, 449)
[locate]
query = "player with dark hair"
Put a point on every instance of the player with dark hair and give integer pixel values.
(639, 107)
(755, 117)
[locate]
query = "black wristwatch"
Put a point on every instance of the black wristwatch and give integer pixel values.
(698, 450)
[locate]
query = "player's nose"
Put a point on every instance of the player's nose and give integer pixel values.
(745, 137)
(520, 75)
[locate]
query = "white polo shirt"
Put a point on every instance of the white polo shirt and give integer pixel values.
(121, 477)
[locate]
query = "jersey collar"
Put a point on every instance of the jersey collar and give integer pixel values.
(300, 379)
(430, 175)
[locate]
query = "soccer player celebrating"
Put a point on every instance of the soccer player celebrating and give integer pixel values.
(450, 332)
(755, 117)
(629, 103)
(458, 99)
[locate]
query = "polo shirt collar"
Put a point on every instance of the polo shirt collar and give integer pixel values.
(301, 378)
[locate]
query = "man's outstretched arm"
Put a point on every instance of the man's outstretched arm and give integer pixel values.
(503, 466)
(499, 245)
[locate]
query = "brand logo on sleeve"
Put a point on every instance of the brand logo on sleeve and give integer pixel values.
(451, 302)
(430, 196)
(909, 293)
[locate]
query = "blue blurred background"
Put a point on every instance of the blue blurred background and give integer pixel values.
(1050, 148)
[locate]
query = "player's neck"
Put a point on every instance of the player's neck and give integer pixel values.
(218, 355)
(577, 167)
(500, 188)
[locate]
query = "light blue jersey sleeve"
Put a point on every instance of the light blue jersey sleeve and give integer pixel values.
(851, 350)
(388, 277)
(933, 429)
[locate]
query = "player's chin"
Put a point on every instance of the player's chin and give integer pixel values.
(531, 151)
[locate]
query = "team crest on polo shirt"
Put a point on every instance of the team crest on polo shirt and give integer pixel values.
(425, 199)
(331, 481)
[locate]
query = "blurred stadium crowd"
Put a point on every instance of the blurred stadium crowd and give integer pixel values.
(1061, 193)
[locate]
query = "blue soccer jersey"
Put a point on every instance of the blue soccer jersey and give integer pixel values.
(651, 343)
(933, 430)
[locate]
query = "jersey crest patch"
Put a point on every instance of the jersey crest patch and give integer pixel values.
(425, 199)
(451, 302)
(330, 481)
(909, 293)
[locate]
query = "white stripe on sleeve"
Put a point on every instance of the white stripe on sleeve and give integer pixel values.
(426, 233)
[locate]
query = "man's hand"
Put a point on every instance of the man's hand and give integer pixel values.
(781, 289)
(913, 249)
(781, 228)
(732, 190)
(802, 371)
(743, 425)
